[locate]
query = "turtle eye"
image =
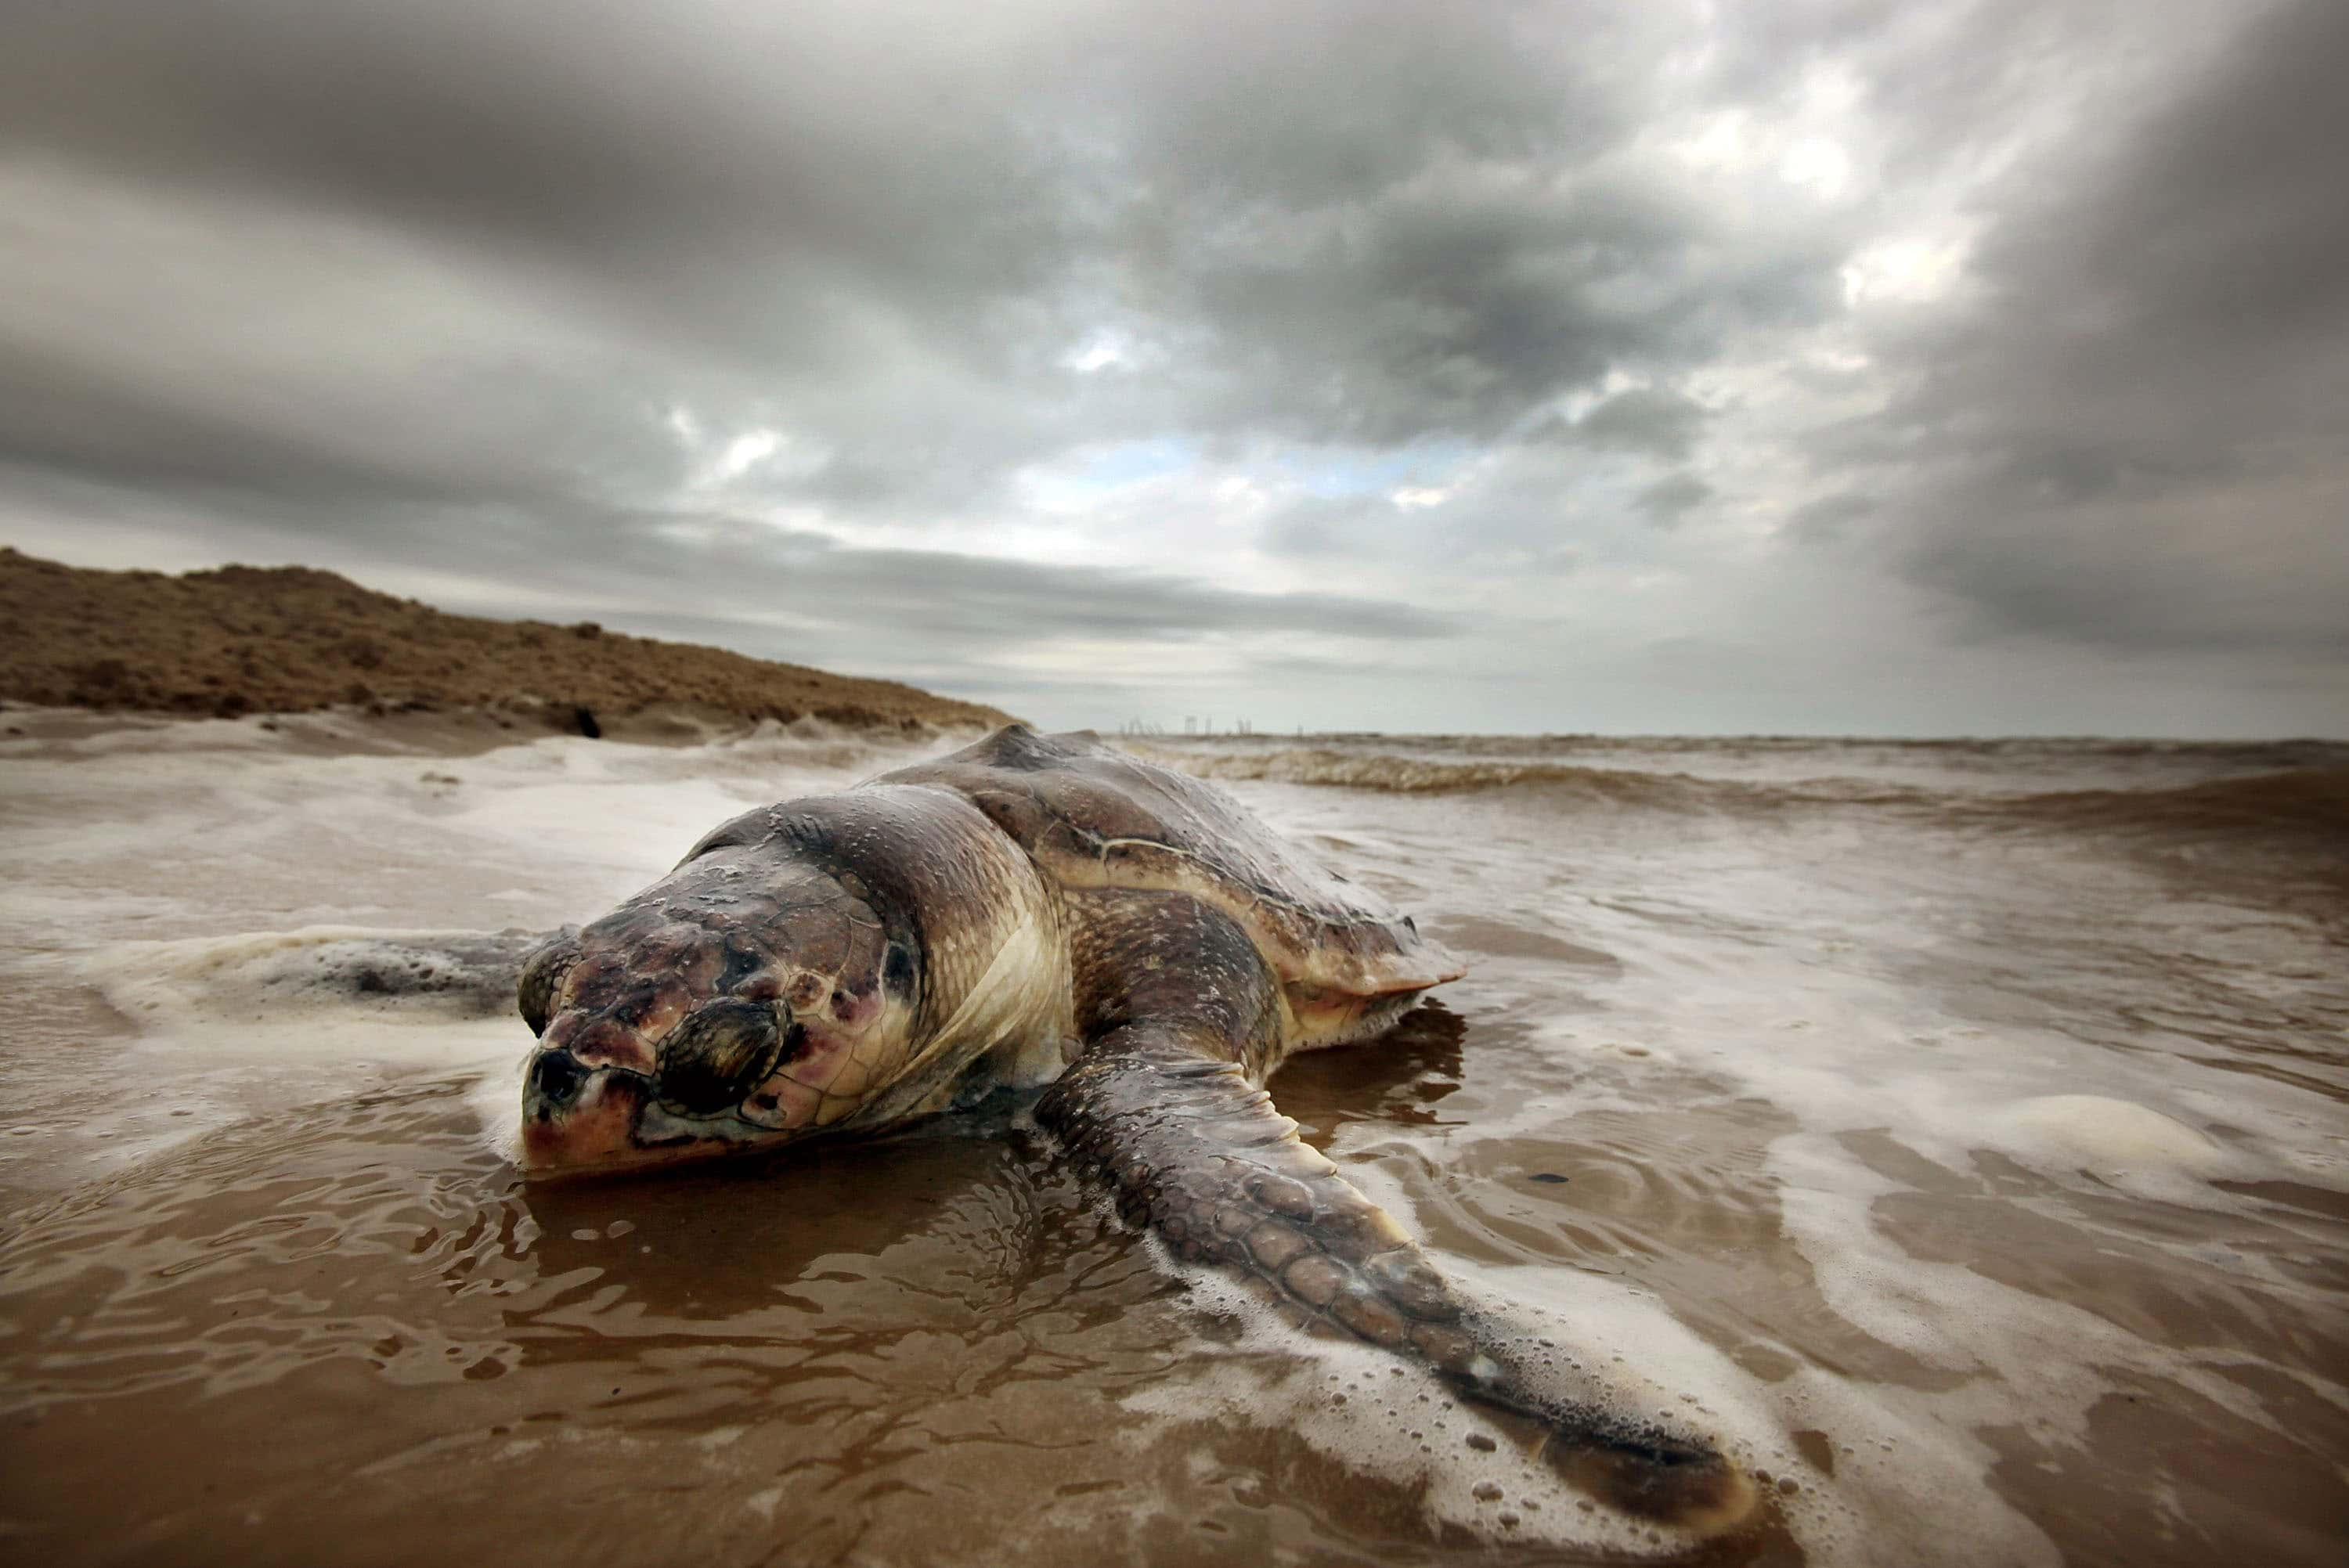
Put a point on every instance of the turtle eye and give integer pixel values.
(719, 1056)
(542, 977)
(897, 971)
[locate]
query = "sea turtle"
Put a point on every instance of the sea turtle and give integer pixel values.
(1049, 912)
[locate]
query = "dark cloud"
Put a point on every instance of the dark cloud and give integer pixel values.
(1650, 420)
(667, 148)
(1329, 225)
(1671, 498)
(466, 433)
(1829, 516)
(2141, 434)
(1458, 306)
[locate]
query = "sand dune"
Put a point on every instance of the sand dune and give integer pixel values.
(290, 639)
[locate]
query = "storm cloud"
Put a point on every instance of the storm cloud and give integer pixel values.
(1329, 363)
(2136, 435)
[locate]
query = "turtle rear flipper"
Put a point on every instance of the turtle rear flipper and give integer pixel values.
(1163, 1104)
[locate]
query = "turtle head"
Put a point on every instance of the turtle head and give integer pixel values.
(735, 1004)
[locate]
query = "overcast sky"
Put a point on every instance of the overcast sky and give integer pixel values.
(1836, 365)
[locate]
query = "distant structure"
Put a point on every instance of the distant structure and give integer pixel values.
(1199, 724)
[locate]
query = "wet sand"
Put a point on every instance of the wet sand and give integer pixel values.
(1964, 1133)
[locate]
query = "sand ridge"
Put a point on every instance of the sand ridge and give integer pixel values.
(293, 639)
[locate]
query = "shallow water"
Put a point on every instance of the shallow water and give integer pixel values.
(1960, 1129)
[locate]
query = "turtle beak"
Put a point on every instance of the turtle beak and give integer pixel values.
(574, 1115)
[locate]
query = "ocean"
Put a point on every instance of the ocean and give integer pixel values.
(1957, 1128)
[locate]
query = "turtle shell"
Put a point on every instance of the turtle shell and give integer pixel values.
(1090, 815)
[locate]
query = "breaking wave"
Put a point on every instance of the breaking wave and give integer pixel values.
(1401, 774)
(2308, 804)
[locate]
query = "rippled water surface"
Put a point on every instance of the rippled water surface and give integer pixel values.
(1960, 1128)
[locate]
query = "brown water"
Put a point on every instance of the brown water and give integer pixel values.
(1960, 1128)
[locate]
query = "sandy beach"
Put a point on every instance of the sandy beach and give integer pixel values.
(1959, 1128)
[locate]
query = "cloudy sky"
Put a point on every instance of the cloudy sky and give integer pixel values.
(1848, 366)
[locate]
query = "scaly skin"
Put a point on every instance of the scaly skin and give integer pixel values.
(1166, 1105)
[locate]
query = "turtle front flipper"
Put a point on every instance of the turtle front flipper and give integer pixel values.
(1163, 1104)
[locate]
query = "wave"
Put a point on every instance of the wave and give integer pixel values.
(2303, 802)
(1402, 775)
(2314, 801)
(1420, 776)
(1397, 773)
(1959, 751)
